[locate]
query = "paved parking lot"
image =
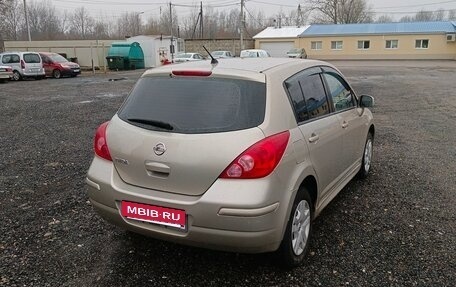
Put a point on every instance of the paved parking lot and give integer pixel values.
(397, 228)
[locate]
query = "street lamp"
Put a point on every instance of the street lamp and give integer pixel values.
(138, 22)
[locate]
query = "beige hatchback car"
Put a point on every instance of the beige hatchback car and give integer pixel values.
(240, 156)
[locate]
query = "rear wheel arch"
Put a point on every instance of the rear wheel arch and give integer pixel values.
(372, 130)
(310, 184)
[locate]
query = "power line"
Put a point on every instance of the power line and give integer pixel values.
(417, 5)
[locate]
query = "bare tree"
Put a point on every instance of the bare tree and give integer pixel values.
(407, 18)
(424, 16)
(44, 22)
(340, 11)
(152, 26)
(12, 15)
(82, 24)
(439, 15)
(452, 15)
(129, 24)
(384, 19)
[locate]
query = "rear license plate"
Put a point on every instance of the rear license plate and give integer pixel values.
(154, 214)
(76, 70)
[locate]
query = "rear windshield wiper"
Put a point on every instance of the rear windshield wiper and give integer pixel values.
(154, 123)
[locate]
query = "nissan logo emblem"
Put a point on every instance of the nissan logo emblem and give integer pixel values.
(159, 149)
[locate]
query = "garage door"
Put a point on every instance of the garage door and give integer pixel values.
(277, 49)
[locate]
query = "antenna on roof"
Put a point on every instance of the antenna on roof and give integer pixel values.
(214, 60)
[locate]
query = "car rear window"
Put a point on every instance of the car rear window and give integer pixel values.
(32, 58)
(191, 105)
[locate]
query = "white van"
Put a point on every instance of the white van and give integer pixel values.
(24, 64)
(254, 53)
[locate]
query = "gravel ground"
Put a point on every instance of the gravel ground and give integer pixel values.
(396, 228)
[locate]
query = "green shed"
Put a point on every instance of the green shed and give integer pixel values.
(125, 56)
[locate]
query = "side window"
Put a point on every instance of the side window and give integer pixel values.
(6, 59)
(15, 59)
(314, 95)
(297, 99)
(339, 91)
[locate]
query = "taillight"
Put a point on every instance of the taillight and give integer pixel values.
(192, 73)
(260, 159)
(22, 64)
(9, 69)
(100, 143)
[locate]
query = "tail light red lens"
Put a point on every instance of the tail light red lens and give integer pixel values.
(100, 143)
(192, 73)
(260, 159)
(22, 64)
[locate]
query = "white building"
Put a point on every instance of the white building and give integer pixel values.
(279, 40)
(156, 48)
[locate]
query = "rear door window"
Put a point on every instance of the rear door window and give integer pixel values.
(10, 59)
(307, 95)
(32, 58)
(192, 105)
(315, 96)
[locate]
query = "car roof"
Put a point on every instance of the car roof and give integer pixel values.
(15, 52)
(253, 50)
(250, 68)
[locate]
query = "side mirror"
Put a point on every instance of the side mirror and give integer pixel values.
(366, 101)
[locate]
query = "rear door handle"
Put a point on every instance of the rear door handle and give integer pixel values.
(344, 125)
(314, 137)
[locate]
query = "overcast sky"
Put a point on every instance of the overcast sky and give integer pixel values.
(112, 9)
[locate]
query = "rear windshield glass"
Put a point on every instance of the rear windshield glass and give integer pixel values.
(195, 105)
(32, 58)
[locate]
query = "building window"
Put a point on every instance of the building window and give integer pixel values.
(336, 45)
(422, 44)
(363, 45)
(316, 45)
(391, 44)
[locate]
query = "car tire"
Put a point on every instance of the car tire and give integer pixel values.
(56, 74)
(366, 163)
(16, 76)
(295, 242)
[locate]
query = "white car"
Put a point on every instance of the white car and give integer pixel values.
(254, 53)
(222, 54)
(6, 73)
(24, 65)
(187, 57)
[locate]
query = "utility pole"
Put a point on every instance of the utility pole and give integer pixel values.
(27, 22)
(201, 22)
(171, 47)
(242, 25)
(299, 16)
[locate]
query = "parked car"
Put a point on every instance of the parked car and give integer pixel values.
(297, 53)
(57, 66)
(222, 54)
(254, 53)
(23, 64)
(187, 57)
(6, 73)
(241, 156)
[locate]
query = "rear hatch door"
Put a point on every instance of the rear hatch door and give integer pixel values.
(177, 134)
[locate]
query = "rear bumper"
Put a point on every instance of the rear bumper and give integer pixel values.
(31, 73)
(247, 218)
(217, 239)
(70, 72)
(6, 75)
